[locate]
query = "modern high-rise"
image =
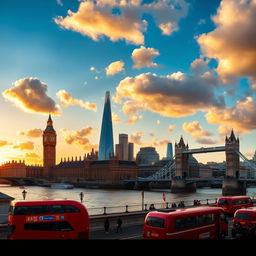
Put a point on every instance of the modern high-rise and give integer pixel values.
(124, 150)
(169, 154)
(106, 146)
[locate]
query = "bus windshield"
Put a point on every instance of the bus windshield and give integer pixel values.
(223, 202)
(155, 222)
(243, 216)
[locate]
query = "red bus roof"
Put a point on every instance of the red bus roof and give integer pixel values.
(248, 209)
(233, 197)
(186, 211)
(44, 202)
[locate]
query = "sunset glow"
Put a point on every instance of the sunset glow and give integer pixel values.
(183, 67)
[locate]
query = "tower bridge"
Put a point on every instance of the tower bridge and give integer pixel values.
(177, 169)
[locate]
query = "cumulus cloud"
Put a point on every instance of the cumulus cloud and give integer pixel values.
(207, 141)
(171, 128)
(79, 138)
(29, 145)
(115, 118)
(143, 57)
(233, 42)
(241, 117)
(136, 138)
(32, 133)
(67, 100)
(200, 66)
(30, 95)
(123, 19)
(195, 129)
(4, 143)
(114, 68)
(174, 95)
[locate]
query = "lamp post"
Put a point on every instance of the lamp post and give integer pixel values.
(142, 200)
(24, 193)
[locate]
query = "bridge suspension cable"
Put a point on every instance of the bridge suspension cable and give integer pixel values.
(251, 165)
(167, 172)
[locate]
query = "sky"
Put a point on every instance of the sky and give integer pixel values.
(173, 68)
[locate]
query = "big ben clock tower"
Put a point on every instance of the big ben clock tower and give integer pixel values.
(49, 143)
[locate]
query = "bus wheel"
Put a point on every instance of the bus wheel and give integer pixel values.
(233, 233)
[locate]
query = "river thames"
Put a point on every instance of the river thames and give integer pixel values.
(96, 199)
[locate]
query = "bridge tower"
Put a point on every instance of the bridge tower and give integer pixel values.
(49, 144)
(181, 160)
(182, 169)
(232, 158)
(231, 184)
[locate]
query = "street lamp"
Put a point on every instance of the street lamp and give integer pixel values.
(24, 193)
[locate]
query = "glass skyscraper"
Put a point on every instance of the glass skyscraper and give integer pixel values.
(169, 153)
(106, 146)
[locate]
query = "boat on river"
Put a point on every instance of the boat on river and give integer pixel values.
(62, 186)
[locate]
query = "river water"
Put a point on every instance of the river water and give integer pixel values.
(114, 200)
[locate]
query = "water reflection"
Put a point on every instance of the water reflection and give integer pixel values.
(99, 198)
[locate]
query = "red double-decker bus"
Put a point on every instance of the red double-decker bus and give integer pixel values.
(51, 219)
(232, 203)
(204, 222)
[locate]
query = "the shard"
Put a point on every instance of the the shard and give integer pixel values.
(106, 146)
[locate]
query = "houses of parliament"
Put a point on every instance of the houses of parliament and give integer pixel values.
(92, 169)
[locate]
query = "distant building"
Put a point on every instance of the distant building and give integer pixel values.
(147, 156)
(254, 157)
(106, 145)
(124, 150)
(88, 170)
(169, 153)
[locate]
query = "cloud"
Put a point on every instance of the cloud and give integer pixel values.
(233, 42)
(4, 143)
(79, 138)
(59, 2)
(174, 95)
(143, 57)
(30, 95)
(195, 129)
(32, 157)
(171, 128)
(115, 118)
(134, 119)
(32, 133)
(241, 117)
(24, 145)
(114, 68)
(136, 138)
(199, 66)
(207, 141)
(67, 100)
(123, 19)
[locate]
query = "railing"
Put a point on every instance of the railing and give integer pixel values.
(149, 206)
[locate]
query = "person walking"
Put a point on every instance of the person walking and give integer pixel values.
(106, 226)
(119, 225)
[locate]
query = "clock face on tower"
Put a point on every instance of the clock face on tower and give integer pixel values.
(52, 138)
(45, 138)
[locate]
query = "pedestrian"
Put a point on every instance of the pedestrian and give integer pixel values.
(106, 225)
(119, 225)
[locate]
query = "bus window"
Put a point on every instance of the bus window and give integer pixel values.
(155, 222)
(49, 226)
(71, 208)
(56, 209)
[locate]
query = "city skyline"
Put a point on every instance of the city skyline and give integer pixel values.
(172, 68)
